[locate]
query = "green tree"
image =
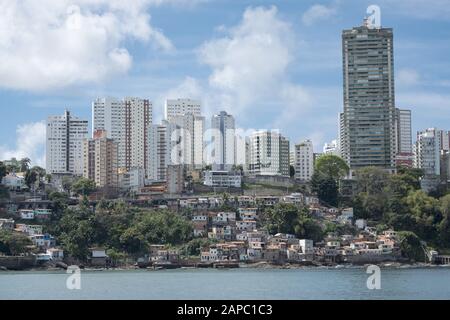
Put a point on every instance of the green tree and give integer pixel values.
(411, 246)
(84, 187)
(13, 243)
(288, 218)
(291, 171)
(281, 218)
(24, 164)
(2, 171)
(326, 188)
(328, 170)
(67, 183)
(332, 167)
(30, 178)
(371, 180)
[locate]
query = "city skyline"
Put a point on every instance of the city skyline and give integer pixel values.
(200, 74)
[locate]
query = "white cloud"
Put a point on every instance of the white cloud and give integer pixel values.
(317, 13)
(30, 142)
(50, 44)
(407, 77)
(251, 59)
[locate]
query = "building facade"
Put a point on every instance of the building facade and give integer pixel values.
(186, 115)
(64, 144)
(331, 148)
(404, 155)
(180, 107)
(269, 154)
(127, 122)
(304, 160)
(101, 160)
(367, 134)
(428, 156)
(224, 179)
(223, 141)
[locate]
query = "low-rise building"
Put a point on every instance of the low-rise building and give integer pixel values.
(7, 224)
(43, 241)
(55, 254)
(26, 214)
(224, 179)
(248, 213)
(246, 225)
(14, 182)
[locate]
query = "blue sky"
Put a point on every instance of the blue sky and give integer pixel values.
(272, 64)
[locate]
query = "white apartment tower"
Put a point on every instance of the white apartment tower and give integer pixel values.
(428, 156)
(223, 141)
(269, 154)
(240, 153)
(64, 144)
(164, 149)
(304, 160)
(108, 114)
(404, 131)
(180, 107)
(186, 114)
(127, 122)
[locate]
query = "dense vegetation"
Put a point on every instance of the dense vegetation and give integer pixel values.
(387, 201)
(13, 243)
(288, 218)
(116, 227)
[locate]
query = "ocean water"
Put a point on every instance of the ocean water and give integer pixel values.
(314, 283)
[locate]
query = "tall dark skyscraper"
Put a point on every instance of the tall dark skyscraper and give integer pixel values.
(368, 127)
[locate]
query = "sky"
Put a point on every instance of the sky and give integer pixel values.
(271, 64)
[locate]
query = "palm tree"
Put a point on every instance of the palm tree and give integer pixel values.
(24, 164)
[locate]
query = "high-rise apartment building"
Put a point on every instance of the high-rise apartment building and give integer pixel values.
(223, 141)
(180, 107)
(108, 114)
(427, 157)
(164, 149)
(127, 122)
(100, 156)
(138, 119)
(64, 144)
(304, 160)
(367, 134)
(331, 148)
(269, 154)
(186, 114)
(404, 131)
(404, 154)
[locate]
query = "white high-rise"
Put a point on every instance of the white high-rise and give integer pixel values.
(331, 148)
(269, 154)
(223, 141)
(127, 122)
(186, 114)
(304, 160)
(164, 149)
(109, 114)
(427, 157)
(404, 131)
(64, 144)
(180, 107)
(240, 153)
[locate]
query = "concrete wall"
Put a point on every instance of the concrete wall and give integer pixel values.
(17, 263)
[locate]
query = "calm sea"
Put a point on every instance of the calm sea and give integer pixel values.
(416, 283)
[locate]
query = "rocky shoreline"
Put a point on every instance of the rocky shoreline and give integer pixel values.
(256, 266)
